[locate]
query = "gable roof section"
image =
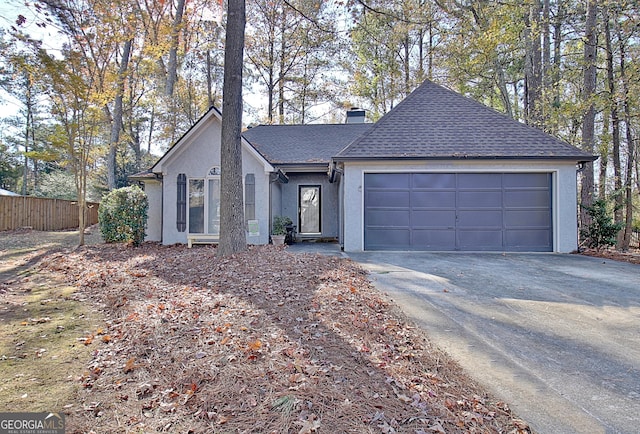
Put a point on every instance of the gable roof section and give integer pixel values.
(212, 113)
(436, 123)
(303, 144)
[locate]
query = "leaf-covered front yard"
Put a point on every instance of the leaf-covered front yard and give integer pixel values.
(266, 341)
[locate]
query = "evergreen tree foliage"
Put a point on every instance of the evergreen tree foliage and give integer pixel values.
(123, 216)
(602, 230)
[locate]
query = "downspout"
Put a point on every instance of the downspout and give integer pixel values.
(159, 178)
(335, 176)
(272, 179)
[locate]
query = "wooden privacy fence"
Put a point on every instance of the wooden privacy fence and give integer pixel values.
(42, 214)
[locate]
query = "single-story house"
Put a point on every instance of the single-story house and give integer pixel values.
(438, 172)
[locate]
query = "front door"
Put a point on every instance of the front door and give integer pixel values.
(310, 204)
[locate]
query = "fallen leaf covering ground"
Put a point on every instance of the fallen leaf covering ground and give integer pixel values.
(632, 256)
(264, 341)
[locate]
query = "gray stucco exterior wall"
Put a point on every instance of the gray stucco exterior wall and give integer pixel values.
(153, 190)
(195, 158)
(289, 205)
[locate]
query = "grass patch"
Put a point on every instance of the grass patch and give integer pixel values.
(41, 354)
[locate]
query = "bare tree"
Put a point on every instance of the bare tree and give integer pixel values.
(116, 117)
(588, 125)
(172, 67)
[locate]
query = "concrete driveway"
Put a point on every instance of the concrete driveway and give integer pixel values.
(555, 336)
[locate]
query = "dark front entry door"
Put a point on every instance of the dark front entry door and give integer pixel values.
(458, 211)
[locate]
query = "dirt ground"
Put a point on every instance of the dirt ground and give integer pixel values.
(632, 256)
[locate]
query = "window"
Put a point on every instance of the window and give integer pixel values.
(196, 206)
(204, 204)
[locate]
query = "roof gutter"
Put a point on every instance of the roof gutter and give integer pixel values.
(579, 159)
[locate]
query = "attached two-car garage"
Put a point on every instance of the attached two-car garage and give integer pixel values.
(458, 211)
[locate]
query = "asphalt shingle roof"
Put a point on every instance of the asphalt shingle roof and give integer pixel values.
(436, 123)
(302, 144)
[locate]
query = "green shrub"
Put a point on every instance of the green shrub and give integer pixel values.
(602, 231)
(280, 224)
(123, 216)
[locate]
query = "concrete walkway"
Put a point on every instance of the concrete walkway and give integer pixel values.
(555, 336)
(328, 248)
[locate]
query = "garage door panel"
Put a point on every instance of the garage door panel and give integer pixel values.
(528, 240)
(433, 199)
(480, 239)
(527, 218)
(458, 211)
(477, 199)
(525, 198)
(389, 217)
(433, 219)
(527, 180)
(434, 239)
(388, 180)
(479, 180)
(433, 180)
(476, 218)
(388, 238)
(379, 198)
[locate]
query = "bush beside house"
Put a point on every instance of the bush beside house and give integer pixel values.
(123, 216)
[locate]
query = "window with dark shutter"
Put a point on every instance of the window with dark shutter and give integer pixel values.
(181, 212)
(250, 196)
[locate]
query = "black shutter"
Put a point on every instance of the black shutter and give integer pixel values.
(181, 219)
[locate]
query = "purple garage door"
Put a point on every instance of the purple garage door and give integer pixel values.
(458, 211)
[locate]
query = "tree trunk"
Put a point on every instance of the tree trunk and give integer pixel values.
(533, 64)
(232, 228)
(546, 45)
(420, 55)
(557, 61)
(405, 65)
(172, 66)
(152, 122)
(282, 67)
(271, 85)
(82, 204)
(27, 135)
(502, 86)
(116, 121)
(588, 124)
(430, 62)
(628, 182)
(615, 128)
(604, 155)
(209, 81)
